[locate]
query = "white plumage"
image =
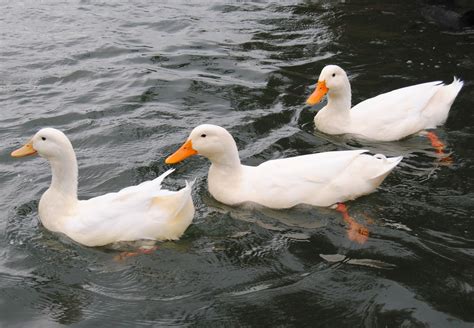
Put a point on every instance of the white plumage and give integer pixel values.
(386, 117)
(319, 179)
(144, 211)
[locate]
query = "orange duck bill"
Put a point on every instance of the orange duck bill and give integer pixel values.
(185, 151)
(24, 151)
(318, 94)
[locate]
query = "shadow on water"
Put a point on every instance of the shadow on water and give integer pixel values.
(128, 86)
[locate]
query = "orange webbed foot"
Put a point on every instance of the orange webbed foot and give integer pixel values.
(142, 250)
(439, 147)
(356, 232)
(447, 160)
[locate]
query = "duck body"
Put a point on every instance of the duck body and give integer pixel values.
(317, 179)
(141, 212)
(387, 117)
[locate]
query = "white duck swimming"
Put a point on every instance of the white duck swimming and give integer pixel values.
(139, 212)
(319, 179)
(387, 117)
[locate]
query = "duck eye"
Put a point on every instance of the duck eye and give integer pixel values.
(43, 138)
(333, 74)
(203, 135)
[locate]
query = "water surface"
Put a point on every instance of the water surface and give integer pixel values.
(128, 81)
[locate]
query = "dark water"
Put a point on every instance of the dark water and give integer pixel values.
(127, 82)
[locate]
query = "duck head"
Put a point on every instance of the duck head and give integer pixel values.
(48, 143)
(54, 146)
(211, 141)
(333, 81)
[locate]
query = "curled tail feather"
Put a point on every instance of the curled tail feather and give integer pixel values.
(388, 165)
(174, 202)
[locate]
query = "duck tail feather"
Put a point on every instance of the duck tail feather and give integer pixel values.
(388, 165)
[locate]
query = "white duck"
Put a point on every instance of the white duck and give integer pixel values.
(139, 212)
(319, 179)
(387, 117)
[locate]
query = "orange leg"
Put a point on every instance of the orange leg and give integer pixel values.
(439, 147)
(142, 250)
(356, 232)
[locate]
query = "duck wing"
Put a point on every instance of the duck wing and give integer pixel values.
(403, 100)
(395, 114)
(284, 183)
(144, 211)
(314, 168)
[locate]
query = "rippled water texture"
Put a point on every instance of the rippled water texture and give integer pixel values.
(127, 82)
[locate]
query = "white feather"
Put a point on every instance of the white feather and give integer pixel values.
(386, 117)
(317, 179)
(144, 211)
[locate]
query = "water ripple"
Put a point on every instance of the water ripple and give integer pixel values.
(128, 81)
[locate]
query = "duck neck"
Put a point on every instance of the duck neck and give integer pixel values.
(225, 177)
(229, 161)
(64, 175)
(60, 201)
(340, 100)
